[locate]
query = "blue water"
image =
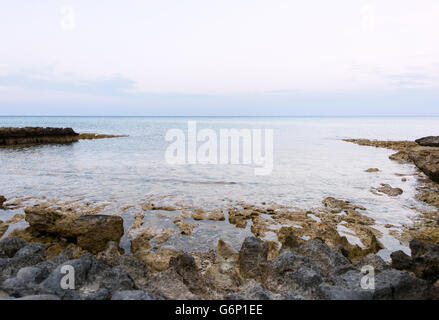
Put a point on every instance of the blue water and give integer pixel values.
(310, 163)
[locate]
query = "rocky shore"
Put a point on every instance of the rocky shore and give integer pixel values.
(326, 266)
(424, 154)
(309, 259)
(10, 136)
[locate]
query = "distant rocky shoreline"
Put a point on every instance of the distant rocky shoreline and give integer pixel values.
(309, 260)
(11, 136)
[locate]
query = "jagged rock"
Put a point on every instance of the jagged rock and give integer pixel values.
(430, 141)
(252, 256)
(425, 258)
(330, 260)
(374, 261)
(370, 170)
(10, 246)
(136, 269)
(389, 285)
(401, 261)
(170, 285)
(116, 279)
(397, 285)
(52, 284)
(292, 271)
(346, 287)
(29, 255)
(25, 282)
(424, 262)
(185, 266)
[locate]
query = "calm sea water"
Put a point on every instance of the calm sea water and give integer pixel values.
(310, 163)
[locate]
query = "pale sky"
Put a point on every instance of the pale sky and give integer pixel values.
(202, 57)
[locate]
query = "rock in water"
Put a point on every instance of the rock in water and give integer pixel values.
(388, 190)
(430, 141)
(36, 135)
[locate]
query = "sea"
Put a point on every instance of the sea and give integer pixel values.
(310, 162)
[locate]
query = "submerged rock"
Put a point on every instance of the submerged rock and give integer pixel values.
(388, 190)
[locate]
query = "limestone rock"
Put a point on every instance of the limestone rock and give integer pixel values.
(91, 232)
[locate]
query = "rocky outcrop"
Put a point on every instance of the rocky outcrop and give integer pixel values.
(424, 153)
(427, 160)
(10, 136)
(36, 135)
(430, 141)
(90, 232)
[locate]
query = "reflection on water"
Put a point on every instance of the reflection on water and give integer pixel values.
(311, 163)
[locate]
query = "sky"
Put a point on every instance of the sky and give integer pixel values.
(224, 57)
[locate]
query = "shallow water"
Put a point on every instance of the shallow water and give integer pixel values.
(310, 163)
